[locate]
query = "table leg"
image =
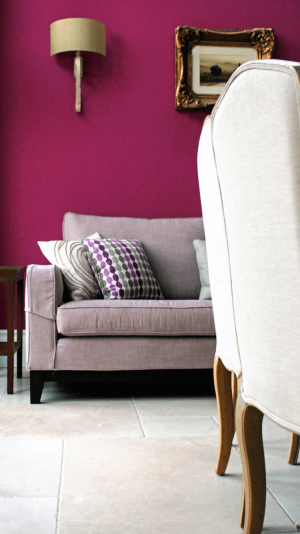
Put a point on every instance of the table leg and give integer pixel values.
(10, 334)
(20, 307)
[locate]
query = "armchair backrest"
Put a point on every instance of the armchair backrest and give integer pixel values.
(217, 253)
(255, 129)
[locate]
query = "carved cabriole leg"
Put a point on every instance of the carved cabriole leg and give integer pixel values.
(294, 449)
(242, 512)
(234, 388)
(249, 433)
(222, 378)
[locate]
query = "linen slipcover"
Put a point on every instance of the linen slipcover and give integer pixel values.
(256, 144)
(217, 253)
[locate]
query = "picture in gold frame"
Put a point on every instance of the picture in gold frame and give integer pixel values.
(205, 60)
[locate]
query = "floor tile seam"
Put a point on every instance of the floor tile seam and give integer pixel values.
(179, 437)
(297, 526)
(28, 496)
(177, 417)
(215, 420)
(138, 416)
(59, 496)
(73, 437)
(3, 394)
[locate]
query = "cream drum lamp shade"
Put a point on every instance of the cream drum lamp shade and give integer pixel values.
(77, 35)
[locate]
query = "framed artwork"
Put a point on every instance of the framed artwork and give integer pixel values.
(205, 60)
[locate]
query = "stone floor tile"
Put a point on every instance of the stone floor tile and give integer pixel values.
(57, 392)
(158, 485)
(3, 381)
(284, 482)
(3, 387)
(28, 515)
(179, 426)
(149, 486)
(3, 372)
(30, 468)
(104, 417)
(20, 384)
(276, 440)
(176, 406)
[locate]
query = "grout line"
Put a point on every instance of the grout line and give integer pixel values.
(3, 394)
(215, 420)
(137, 413)
(59, 489)
(27, 497)
(283, 508)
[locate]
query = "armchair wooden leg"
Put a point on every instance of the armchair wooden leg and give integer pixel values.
(294, 449)
(249, 433)
(222, 379)
(234, 389)
(242, 512)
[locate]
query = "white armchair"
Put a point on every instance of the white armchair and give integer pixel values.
(227, 365)
(251, 209)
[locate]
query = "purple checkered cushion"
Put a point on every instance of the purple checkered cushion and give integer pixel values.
(121, 269)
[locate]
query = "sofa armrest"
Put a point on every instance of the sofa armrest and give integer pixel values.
(44, 290)
(44, 293)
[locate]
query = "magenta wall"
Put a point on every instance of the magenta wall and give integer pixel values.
(129, 153)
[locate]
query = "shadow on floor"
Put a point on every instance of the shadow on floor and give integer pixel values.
(164, 383)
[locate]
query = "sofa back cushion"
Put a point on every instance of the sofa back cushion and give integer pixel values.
(168, 244)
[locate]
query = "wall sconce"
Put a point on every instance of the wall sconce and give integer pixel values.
(77, 35)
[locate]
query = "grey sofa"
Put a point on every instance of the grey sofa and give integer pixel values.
(65, 338)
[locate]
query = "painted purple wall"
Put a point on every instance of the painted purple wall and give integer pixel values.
(129, 153)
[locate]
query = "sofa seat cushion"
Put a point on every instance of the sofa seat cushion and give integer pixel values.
(136, 318)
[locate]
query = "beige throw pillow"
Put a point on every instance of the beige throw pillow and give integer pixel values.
(200, 248)
(69, 256)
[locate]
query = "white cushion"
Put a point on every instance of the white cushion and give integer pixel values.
(69, 256)
(201, 255)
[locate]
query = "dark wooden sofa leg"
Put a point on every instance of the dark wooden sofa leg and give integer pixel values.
(37, 380)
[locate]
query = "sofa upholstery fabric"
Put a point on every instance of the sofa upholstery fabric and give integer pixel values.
(168, 244)
(44, 293)
(136, 318)
(117, 353)
(44, 290)
(144, 334)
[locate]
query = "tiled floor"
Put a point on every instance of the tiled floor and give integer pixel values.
(123, 458)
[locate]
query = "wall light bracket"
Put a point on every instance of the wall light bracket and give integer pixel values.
(77, 35)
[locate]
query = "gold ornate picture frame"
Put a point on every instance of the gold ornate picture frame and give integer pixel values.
(205, 59)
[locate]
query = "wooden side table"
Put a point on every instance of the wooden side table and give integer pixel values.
(12, 275)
